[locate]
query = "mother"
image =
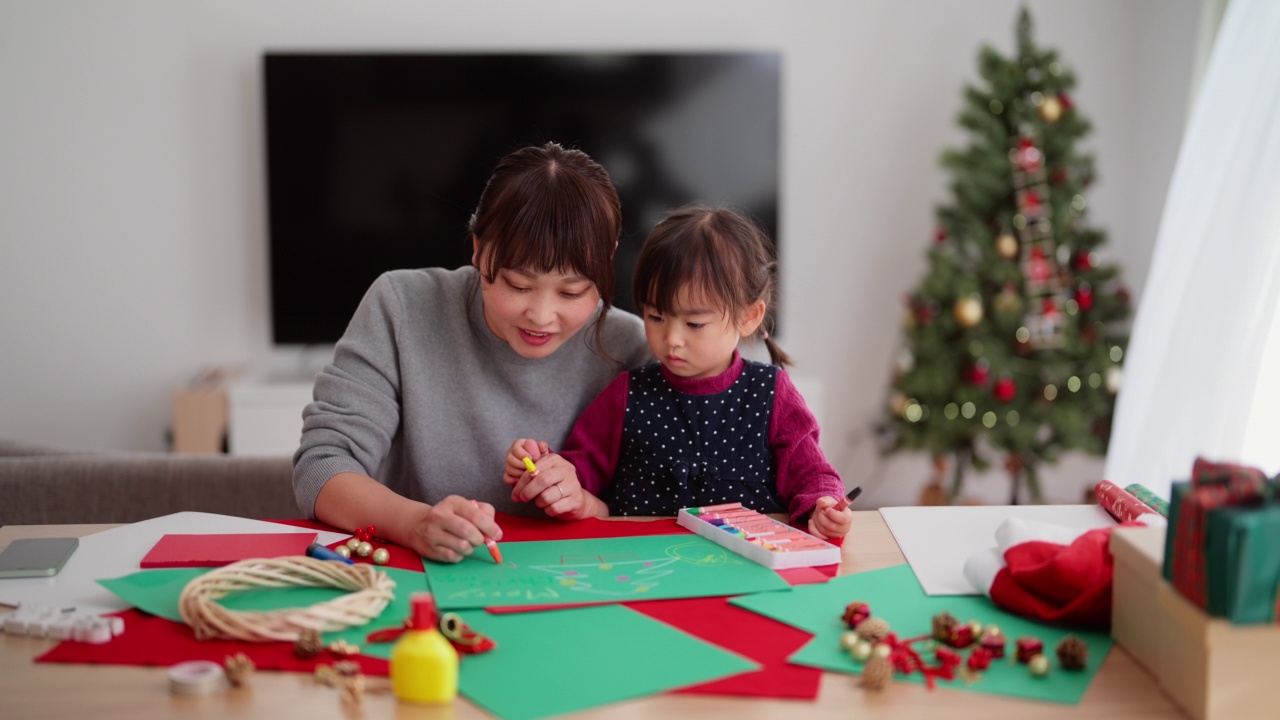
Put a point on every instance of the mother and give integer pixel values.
(440, 369)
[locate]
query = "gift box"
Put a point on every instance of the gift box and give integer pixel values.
(1213, 669)
(1237, 539)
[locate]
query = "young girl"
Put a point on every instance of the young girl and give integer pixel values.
(703, 426)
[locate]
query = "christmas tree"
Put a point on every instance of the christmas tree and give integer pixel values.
(1014, 338)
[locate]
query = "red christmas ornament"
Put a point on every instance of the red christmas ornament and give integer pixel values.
(939, 235)
(977, 374)
(1048, 307)
(1065, 101)
(1122, 294)
(1083, 261)
(1032, 199)
(1084, 297)
(1004, 389)
(1025, 142)
(924, 313)
(1058, 176)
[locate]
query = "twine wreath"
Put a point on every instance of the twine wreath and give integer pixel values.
(371, 591)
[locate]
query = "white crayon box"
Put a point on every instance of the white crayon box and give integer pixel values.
(758, 537)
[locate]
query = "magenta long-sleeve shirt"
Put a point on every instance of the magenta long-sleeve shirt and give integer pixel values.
(802, 472)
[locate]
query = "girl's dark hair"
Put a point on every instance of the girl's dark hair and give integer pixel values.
(716, 252)
(548, 209)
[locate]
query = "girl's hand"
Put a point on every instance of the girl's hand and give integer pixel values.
(521, 449)
(452, 528)
(556, 490)
(827, 522)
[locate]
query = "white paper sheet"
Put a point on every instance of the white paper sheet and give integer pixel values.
(119, 551)
(938, 540)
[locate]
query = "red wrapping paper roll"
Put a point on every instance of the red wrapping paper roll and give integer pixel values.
(1120, 503)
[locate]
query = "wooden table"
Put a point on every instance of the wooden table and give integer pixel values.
(1122, 689)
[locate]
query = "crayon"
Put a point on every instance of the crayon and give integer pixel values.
(320, 552)
(528, 464)
(494, 552)
(853, 495)
(714, 508)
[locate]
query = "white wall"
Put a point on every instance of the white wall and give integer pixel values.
(132, 241)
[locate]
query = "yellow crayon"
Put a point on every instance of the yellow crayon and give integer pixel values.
(533, 469)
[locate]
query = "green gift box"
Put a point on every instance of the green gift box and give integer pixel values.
(1242, 558)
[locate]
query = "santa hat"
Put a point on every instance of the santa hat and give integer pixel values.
(1049, 572)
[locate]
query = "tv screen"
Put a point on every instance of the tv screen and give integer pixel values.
(376, 161)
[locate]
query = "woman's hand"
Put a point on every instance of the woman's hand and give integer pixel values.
(521, 449)
(827, 522)
(555, 489)
(449, 530)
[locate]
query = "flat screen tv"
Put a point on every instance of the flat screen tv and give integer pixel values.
(375, 161)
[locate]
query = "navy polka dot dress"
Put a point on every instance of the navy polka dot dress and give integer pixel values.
(683, 450)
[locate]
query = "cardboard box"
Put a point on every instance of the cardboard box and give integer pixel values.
(200, 413)
(1213, 669)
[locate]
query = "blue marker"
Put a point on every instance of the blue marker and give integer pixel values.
(320, 552)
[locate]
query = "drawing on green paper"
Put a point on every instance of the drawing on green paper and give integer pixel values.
(598, 570)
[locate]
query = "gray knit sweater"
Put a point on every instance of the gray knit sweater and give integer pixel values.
(423, 397)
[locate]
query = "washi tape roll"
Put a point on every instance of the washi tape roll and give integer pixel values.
(196, 677)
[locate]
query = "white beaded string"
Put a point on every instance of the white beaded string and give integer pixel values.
(371, 592)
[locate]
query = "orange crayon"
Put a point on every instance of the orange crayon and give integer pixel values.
(494, 552)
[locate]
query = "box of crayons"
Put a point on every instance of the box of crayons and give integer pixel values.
(758, 537)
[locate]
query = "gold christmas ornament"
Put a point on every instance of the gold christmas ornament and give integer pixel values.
(1007, 246)
(968, 311)
(860, 651)
(1051, 110)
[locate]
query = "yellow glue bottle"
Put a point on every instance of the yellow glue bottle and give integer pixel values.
(424, 665)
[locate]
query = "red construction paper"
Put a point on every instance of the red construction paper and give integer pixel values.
(149, 640)
(216, 550)
(766, 641)
(152, 640)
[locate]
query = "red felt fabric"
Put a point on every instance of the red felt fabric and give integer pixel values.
(149, 640)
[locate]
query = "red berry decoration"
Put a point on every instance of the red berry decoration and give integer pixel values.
(1032, 199)
(371, 532)
(979, 659)
(939, 235)
(1084, 297)
(1065, 101)
(1004, 389)
(855, 612)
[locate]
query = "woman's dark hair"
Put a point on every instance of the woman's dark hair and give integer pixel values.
(716, 252)
(548, 209)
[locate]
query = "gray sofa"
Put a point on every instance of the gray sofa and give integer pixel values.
(42, 485)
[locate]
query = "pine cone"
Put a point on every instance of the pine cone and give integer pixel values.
(1073, 653)
(873, 630)
(238, 668)
(943, 623)
(877, 673)
(309, 644)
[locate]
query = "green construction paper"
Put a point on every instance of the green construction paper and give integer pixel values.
(562, 661)
(895, 595)
(555, 572)
(157, 592)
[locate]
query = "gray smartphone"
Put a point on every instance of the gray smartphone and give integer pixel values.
(36, 557)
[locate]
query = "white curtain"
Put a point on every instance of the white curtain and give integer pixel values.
(1202, 373)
